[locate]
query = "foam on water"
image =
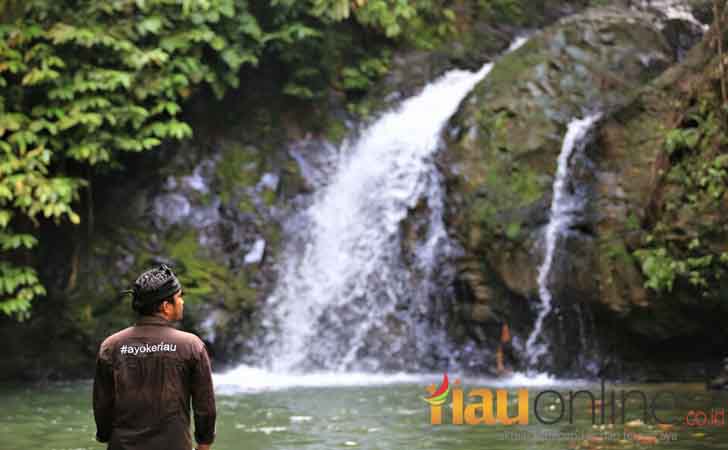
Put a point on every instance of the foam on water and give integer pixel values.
(246, 379)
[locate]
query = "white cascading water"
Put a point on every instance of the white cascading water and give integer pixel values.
(675, 9)
(341, 288)
(563, 206)
(346, 298)
(344, 279)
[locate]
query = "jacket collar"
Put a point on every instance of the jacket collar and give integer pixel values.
(154, 320)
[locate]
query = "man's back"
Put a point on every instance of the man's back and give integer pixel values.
(146, 376)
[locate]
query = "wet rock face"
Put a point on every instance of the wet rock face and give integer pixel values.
(483, 33)
(682, 36)
(501, 159)
(637, 189)
(227, 240)
(214, 212)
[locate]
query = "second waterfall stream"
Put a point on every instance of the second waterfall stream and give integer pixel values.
(565, 204)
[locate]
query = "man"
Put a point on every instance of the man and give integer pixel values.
(147, 374)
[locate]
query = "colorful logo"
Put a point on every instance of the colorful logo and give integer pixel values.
(475, 412)
(484, 406)
(440, 395)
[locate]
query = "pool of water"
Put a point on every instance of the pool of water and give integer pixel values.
(327, 411)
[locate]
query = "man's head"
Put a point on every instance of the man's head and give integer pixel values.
(158, 292)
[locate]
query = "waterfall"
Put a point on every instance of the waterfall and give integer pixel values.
(564, 205)
(675, 9)
(353, 293)
(343, 289)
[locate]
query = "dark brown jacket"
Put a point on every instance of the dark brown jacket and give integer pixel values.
(146, 376)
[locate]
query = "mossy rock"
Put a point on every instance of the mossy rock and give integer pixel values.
(205, 278)
(648, 185)
(509, 131)
(239, 167)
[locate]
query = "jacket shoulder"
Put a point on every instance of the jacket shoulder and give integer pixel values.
(191, 339)
(195, 344)
(107, 345)
(114, 338)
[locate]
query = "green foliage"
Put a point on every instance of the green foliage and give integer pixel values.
(351, 59)
(18, 285)
(661, 269)
(360, 77)
(679, 247)
(513, 230)
(502, 9)
(82, 83)
(388, 15)
(681, 138)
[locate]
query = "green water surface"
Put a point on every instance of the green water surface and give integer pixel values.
(58, 417)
